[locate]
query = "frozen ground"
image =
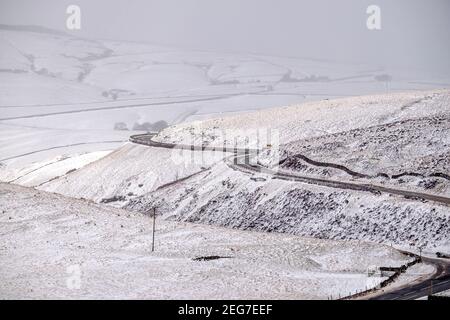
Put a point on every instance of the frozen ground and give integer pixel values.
(407, 148)
(58, 91)
(129, 172)
(399, 139)
(225, 197)
(40, 173)
(444, 294)
(314, 119)
(26, 148)
(68, 106)
(57, 247)
(193, 188)
(414, 274)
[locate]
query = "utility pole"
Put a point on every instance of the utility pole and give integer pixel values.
(431, 287)
(153, 232)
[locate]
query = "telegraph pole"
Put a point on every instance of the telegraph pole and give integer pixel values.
(153, 231)
(431, 287)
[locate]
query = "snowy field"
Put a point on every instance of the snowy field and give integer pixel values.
(315, 119)
(230, 198)
(402, 129)
(411, 154)
(62, 96)
(405, 136)
(57, 247)
(68, 107)
(129, 172)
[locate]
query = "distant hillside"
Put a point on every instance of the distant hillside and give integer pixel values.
(33, 28)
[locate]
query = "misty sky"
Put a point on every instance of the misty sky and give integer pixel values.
(415, 33)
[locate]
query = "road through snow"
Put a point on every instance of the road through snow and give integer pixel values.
(438, 282)
(146, 139)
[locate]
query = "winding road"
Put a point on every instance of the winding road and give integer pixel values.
(146, 139)
(437, 282)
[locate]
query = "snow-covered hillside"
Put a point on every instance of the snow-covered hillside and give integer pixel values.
(412, 154)
(40, 173)
(315, 119)
(225, 197)
(129, 172)
(54, 247)
(62, 96)
(69, 105)
(395, 132)
(399, 139)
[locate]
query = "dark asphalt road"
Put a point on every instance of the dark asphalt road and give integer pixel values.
(439, 281)
(145, 139)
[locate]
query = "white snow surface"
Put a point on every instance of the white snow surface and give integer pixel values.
(226, 197)
(391, 134)
(129, 172)
(51, 81)
(61, 98)
(195, 188)
(39, 173)
(47, 240)
(313, 119)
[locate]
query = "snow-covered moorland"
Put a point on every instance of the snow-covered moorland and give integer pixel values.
(63, 96)
(398, 139)
(129, 172)
(225, 197)
(57, 247)
(221, 193)
(69, 105)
